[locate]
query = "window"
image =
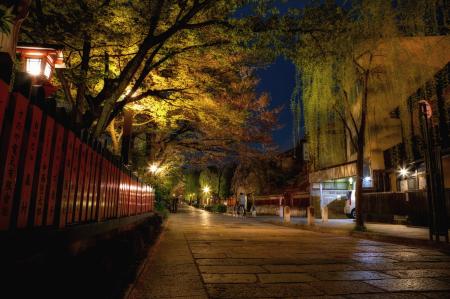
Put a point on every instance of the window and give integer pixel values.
(34, 66)
(47, 70)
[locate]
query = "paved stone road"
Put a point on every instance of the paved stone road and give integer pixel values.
(202, 255)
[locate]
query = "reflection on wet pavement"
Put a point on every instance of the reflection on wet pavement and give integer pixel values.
(204, 255)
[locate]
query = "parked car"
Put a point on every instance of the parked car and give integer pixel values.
(350, 205)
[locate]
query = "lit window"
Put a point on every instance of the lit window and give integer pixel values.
(47, 70)
(34, 66)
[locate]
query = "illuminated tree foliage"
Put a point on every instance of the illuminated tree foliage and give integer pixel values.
(6, 19)
(209, 179)
(192, 185)
(181, 68)
(116, 48)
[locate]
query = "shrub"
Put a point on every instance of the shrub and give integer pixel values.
(217, 208)
(161, 208)
(221, 208)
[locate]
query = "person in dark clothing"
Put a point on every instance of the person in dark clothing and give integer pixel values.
(174, 204)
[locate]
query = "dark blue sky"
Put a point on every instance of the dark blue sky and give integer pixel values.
(278, 80)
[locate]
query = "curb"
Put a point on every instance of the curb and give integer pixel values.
(142, 266)
(370, 236)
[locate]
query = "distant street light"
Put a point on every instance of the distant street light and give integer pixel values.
(154, 168)
(403, 172)
(206, 189)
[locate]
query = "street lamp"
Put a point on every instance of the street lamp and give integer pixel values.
(206, 189)
(403, 172)
(154, 168)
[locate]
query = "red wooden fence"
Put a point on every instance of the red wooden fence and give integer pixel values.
(50, 176)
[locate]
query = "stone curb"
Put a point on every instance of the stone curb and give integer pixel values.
(369, 236)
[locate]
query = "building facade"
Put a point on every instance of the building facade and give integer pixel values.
(393, 155)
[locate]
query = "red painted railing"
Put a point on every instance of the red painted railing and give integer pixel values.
(50, 176)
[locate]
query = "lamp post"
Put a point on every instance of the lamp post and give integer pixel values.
(207, 190)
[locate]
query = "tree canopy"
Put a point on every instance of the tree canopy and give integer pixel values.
(182, 68)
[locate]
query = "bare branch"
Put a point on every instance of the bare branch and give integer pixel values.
(344, 121)
(350, 112)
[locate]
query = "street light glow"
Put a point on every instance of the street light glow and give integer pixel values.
(153, 168)
(206, 189)
(403, 172)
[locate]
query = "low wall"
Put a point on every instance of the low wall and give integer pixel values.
(385, 206)
(270, 204)
(275, 210)
(105, 267)
(382, 207)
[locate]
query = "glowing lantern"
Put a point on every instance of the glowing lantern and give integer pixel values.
(40, 61)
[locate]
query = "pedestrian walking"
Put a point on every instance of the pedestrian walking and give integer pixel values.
(242, 203)
(175, 204)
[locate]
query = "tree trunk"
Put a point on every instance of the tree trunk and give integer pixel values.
(220, 179)
(114, 139)
(358, 187)
(126, 136)
(8, 41)
(360, 156)
(443, 120)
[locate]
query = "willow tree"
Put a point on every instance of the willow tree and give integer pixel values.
(351, 59)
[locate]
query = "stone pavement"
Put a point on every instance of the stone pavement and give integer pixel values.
(204, 255)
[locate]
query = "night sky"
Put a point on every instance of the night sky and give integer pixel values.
(278, 80)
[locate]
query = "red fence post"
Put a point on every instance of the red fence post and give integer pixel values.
(57, 157)
(12, 138)
(86, 183)
(43, 174)
(74, 185)
(5, 80)
(27, 175)
(80, 181)
(95, 193)
(66, 180)
(102, 188)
